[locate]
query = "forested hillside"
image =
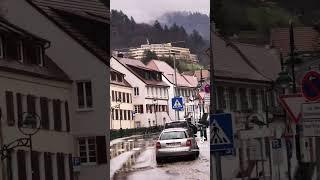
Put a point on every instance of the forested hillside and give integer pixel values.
(127, 33)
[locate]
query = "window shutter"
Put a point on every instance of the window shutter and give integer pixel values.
(31, 104)
(141, 106)
(10, 108)
(44, 112)
(21, 160)
(57, 115)
(70, 167)
(66, 107)
(60, 166)
(48, 166)
(19, 108)
(101, 149)
(35, 165)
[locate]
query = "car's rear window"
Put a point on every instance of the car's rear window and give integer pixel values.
(176, 125)
(173, 135)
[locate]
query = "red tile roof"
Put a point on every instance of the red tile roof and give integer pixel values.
(168, 72)
(129, 63)
(62, 11)
(305, 38)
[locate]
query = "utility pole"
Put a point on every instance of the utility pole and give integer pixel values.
(216, 157)
(175, 81)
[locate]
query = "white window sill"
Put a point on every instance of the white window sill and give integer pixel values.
(84, 109)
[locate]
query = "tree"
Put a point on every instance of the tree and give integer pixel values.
(148, 56)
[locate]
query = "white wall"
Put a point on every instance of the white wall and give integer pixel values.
(78, 63)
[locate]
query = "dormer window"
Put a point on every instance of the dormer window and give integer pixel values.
(12, 48)
(113, 76)
(119, 77)
(32, 54)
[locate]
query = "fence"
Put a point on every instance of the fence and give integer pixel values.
(118, 133)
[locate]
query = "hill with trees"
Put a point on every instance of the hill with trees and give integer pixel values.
(125, 33)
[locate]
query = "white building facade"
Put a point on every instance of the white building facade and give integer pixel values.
(121, 91)
(150, 97)
(85, 62)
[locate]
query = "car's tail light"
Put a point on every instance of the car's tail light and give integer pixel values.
(188, 142)
(158, 145)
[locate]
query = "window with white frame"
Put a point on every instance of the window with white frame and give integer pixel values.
(87, 149)
(84, 90)
(136, 91)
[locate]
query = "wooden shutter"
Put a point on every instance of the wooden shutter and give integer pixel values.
(44, 112)
(48, 166)
(10, 108)
(31, 104)
(101, 149)
(70, 167)
(21, 160)
(57, 115)
(66, 107)
(19, 108)
(35, 165)
(60, 166)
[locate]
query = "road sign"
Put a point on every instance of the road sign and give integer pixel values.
(177, 103)
(276, 144)
(311, 85)
(310, 119)
(76, 164)
(292, 105)
(221, 132)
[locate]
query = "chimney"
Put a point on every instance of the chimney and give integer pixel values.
(120, 55)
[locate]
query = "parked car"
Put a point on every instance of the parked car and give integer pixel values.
(176, 142)
(181, 124)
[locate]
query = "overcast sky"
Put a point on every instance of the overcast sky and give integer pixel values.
(149, 10)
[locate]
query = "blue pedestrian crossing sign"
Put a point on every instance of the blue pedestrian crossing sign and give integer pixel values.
(177, 103)
(221, 132)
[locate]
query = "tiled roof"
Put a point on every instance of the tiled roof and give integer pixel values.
(129, 63)
(305, 38)
(205, 74)
(192, 80)
(168, 72)
(229, 58)
(266, 60)
(124, 83)
(65, 12)
(49, 71)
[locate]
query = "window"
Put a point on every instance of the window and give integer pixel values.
(113, 76)
(233, 99)
(263, 99)
(10, 108)
(129, 115)
(124, 97)
(120, 111)
(1, 47)
(138, 108)
(136, 91)
(119, 77)
(125, 115)
(119, 96)
(84, 95)
(117, 116)
(128, 98)
(12, 48)
(221, 98)
(112, 95)
(254, 99)
(87, 149)
(243, 99)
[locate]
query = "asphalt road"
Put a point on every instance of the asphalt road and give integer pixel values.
(146, 167)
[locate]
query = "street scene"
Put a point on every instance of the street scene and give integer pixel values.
(160, 90)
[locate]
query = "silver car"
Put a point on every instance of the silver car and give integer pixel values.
(176, 142)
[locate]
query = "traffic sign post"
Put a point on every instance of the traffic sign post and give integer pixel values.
(177, 103)
(311, 86)
(221, 132)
